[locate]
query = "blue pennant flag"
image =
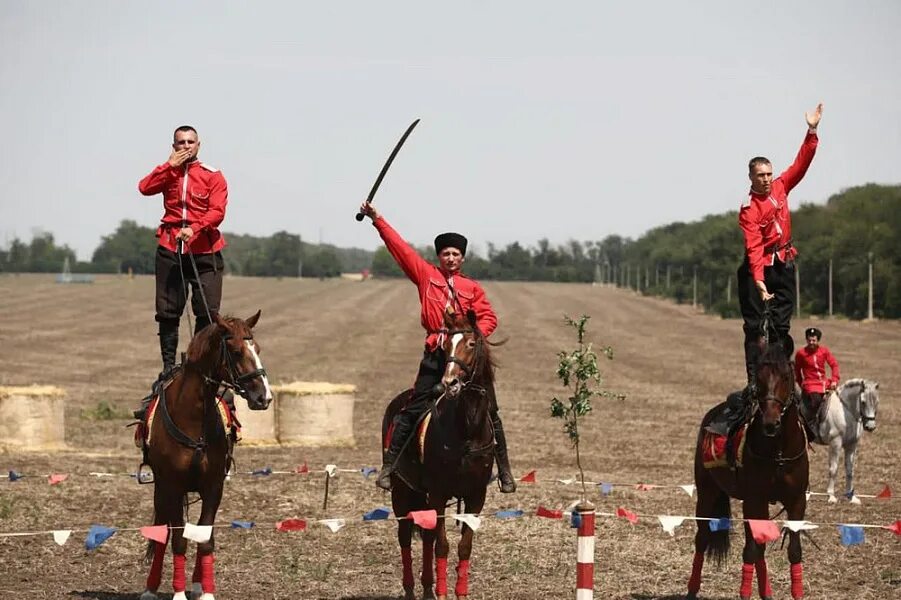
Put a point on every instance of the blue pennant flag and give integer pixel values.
(377, 514)
(98, 534)
(508, 514)
(606, 488)
(237, 524)
(723, 524)
(575, 520)
(263, 471)
(13, 476)
(367, 471)
(851, 535)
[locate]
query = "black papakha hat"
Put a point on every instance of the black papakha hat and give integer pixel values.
(450, 240)
(813, 332)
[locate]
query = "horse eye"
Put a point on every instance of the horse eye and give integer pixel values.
(471, 344)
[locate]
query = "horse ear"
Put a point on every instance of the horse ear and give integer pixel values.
(471, 317)
(252, 321)
(218, 320)
(449, 315)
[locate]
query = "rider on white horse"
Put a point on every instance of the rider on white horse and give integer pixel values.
(810, 372)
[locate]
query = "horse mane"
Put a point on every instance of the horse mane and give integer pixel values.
(203, 343)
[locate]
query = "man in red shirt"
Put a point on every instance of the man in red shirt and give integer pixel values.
(810, 370)
(439, 288)
(194, 198)
(766, 278)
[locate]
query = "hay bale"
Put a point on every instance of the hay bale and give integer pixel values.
(32, 417)
(315, 413)
(257, 426)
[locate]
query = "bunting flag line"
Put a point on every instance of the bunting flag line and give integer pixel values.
(669, 523)
(156, 533)
(763, 530)
(98, 534)
(331, 470)
(301, 469)
(895, 527)
(427, 519)
(528, 477)
(473, 521)
(377, 514)
(628, 515)
(265, 471)
(509, 514)
(368, 471)
(291, 525)
(548, 514)
(198, 533)
(238, 524)
(334, 525)
(606, 488)
(57, 478)
(851, 535)
(689, 489)
(720, 524)
(61, 536)
(797, 526)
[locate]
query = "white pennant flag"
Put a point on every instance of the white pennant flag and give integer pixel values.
(807, 496)
(688, 489)
(61, 536)
(797, 526)
(331, 470)
(197, 533)
(334, 524)
(566, 481)
(473, 521)
(670, 523)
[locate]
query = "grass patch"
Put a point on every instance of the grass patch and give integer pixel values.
(104, 411)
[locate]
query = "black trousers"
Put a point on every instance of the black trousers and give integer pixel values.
(171, 296)
(780, 281)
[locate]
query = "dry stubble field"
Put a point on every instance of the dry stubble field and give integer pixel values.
(98, 342)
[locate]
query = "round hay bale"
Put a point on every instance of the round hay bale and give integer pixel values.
(32, 417)
(257, 426)
(315, 413)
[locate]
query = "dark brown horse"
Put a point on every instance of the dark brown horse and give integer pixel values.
(457, 456)
(773, 468)
(189, 449)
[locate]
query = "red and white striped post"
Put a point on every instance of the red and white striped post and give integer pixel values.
(585, 552)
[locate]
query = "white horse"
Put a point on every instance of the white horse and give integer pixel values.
(848, 412)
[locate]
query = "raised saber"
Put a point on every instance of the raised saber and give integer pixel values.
(378, 181)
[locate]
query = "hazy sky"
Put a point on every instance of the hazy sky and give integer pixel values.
(539, 119)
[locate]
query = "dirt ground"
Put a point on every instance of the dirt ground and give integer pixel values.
(98, 342)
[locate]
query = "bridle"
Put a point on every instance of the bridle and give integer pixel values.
(234, 380)
(468, 371)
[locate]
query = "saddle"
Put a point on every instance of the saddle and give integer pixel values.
(718, 451)
(226, 412)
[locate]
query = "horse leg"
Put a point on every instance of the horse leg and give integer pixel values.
(795, 512)
(835, 448)
(428, 564)
(464, 547)
(850, 459)
(711, 503)
(203, 567)
(179, 544)
(753, 552)
(442, 549)
(404, 539)
(160, 517)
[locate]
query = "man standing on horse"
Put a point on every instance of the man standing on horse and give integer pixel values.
(766, 277)
(810, 370)
(194, 198)
(441, 288)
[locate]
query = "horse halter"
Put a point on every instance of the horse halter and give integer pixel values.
(785, 406)
(235, 380)
(467, 370)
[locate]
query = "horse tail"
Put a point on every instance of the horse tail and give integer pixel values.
(718, 547)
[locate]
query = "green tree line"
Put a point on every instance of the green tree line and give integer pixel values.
(688, 262)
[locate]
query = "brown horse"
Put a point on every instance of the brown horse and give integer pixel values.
(773, 468)
(189, 449)
(457, 455)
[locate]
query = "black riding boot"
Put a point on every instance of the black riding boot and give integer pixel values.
(403, 426)
(201, 323)
(168, 349)
(508, 484)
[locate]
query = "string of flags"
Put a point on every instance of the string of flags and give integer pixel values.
(605, 487)
(763, 530)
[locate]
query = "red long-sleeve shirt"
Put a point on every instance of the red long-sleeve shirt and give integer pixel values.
(810, 369)
(203, 210)
(432, 283)
(765, 220)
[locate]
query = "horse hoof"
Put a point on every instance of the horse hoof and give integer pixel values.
(205, 597)
(691, 596)
(832, 500)
(148, 595)
(428, 594)
(179, 596)
(855, 500)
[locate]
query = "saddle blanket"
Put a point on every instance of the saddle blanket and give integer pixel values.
(144, 428)
(713, 449)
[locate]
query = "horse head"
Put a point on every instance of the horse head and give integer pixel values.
(466, 352)
(227, 353)
(775, 388)
(869, 403)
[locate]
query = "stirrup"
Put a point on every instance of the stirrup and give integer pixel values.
(383, 481)
(143, 475)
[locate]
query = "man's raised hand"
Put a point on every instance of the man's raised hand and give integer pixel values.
(813, 119)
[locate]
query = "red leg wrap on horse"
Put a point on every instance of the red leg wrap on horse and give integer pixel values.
(208, 583)
(694, 582)
(197, 576)
(156, 567)
(797, 581)
(178, 572)
(462, 587)
(441, 576)
(406, 559)
(428, 564)
(763, 580)
(747, 579)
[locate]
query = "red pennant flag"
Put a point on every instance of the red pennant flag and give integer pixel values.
(528, 477)
(549, 514)
(764, 530)
(291, 525)
(885, 494)
(157, 533)
(56, 478)
(643, 487)
(895, 527)
(301, 469)
(427, 519)
(627, 514)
